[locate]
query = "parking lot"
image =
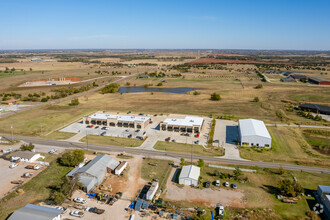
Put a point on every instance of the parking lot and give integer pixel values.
(7, 175)
(152, 131)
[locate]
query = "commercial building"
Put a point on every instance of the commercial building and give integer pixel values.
(319, 109)
(121, 167)
(152, 191)
(36, 212)
(189, 175)
(127, 121)
(318, 81)
(93, 174)
(323, 197)
(25, 156)
(299, 77)
(253, 132)
(184, 124)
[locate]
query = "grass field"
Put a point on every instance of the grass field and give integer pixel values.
(37, 189)
(57, 135)
(187, 148)
(288, 146)
(113, 141)
(260, 190)
(159, 171)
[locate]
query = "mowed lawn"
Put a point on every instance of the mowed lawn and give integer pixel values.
(42, 120)
(262, 187)
(288, 146)
(187, 149)
(113, 141)
(57, 135)
(155, 169)
(36, 190)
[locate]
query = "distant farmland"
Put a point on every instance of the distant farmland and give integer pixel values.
(214, 60)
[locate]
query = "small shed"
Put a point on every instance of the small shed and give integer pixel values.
(138, 205)
(189, 175)
(152, 191)
(121, 167)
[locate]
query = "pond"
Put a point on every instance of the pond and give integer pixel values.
(135, 89)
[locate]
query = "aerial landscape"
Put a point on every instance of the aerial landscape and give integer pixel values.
(165, 110)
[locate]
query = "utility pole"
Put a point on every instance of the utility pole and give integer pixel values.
(191, 152)
(87, 139)
(11, 128)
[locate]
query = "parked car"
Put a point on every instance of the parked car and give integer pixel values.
(234, 186)
(126, 130)
(13, 165)
(138, 130)
(52, 151)
(220, 210)
(197, 135)
(150, 122)
(88, 126)
(217, 183)
(168, 139)
(77, 214)
(32, 167)
(96, 127)
(79, 200)
(91, 126)
(130, 135)
(103, 133)
(61, 208)
(95, 210)
(207, 184)
(197, 142)
(226, 184)
(173, 140)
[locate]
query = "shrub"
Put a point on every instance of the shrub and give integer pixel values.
(196, 92)
(215, 97)
(201, 163)
(160, 84)
(290, 188)
(259, 86)
(74, 102)
(256, 99)
(27, 147)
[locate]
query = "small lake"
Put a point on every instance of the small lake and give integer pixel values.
(135, 89)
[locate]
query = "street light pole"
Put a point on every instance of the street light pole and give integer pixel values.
(87, 139)
(11, 128)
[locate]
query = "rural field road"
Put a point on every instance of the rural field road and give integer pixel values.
(67, 144)
(65, 98)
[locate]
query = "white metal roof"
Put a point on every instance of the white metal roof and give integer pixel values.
(187, 121)
(252, 127)
(119, 117)
(190, 171)
(35, 212)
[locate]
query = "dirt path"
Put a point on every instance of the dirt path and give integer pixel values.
(134, 183)
(208, 197)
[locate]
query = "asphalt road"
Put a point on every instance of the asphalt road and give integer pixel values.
(67, 144)
(63, 99)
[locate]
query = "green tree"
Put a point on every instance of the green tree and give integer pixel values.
(72, 158)
(290, 188)
(182, 163)
(215, 97)
(259, 86)
(256, 99)
(27, 147)
(237, 173)
(160, 84)
(201, 163)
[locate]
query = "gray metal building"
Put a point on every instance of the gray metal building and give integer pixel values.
(36, 212)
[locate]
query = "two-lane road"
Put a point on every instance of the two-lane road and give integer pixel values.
(96, 147)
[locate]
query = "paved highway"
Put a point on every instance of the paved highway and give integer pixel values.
(96, 147)
(65, 98)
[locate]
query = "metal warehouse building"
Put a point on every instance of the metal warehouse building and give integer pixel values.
(186, 124)
(92, 174)
(189, 175)
(253, 132)
(126, 121)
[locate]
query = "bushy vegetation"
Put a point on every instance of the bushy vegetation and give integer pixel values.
(74, 102)
(210, 141)
(72, 158)
(309, 116)
(215, 97)
(27, 147)
(111, 88)
(259, 86)
(290, 188)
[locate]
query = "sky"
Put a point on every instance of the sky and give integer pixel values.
(165, 24)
